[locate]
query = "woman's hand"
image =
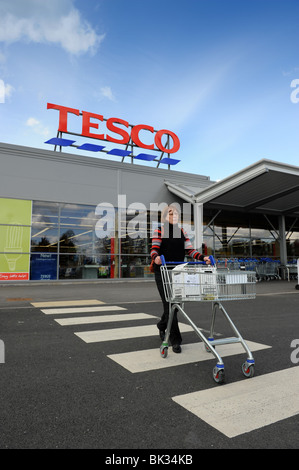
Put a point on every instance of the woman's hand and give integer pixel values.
(207, 260)
(158, 260)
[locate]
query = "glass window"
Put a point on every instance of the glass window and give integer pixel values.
(87, 231)
(76, 240)
(224, 231)
(134, 227)
(135, 266)
(45, 213)
(208, 243)
(261, 233)
(70, 266)
(263, 247)
(293, 236)
(134, 246)
(77, 229)
(84, 267)
(293, 245)
(239, 247)
(44, 238)
(293, 248)
(74, 215)
(105, 246)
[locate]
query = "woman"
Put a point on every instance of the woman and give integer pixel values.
(173, 243)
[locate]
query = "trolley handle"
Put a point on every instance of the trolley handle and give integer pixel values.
(213, 262)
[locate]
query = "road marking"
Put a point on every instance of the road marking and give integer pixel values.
(123, 333)
(103, 319)
(250, 404)
(66, 303)
(150, 359)
(58, 311)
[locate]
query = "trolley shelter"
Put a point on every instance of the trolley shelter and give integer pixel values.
(266, 191)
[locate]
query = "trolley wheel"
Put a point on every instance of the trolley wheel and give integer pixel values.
(207, 347)
(218, 375)
(164, 351)
(248, 369)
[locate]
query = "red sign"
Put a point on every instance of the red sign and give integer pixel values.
(14, 276)
(111, 124)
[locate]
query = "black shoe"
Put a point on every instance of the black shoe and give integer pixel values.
(176, 348)
(162, 335)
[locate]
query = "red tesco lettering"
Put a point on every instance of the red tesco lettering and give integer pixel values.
(112, 125)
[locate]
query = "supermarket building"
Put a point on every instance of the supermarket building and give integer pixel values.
(67, 216)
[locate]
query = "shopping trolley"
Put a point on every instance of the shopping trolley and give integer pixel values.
(293, 271)
(199, 282)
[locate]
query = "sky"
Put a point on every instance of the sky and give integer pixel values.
(223, 75)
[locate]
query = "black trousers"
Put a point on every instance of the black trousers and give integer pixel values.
(175, 334)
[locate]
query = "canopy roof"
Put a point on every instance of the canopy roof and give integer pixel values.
(266, 187)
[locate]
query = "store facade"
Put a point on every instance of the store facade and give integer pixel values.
(70, 216)
(67, 216)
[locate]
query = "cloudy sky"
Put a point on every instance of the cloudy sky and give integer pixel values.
(222, 74)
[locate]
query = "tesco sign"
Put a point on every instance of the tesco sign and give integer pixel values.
(112, 125)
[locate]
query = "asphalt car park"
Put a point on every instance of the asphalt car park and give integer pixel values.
(81, 368)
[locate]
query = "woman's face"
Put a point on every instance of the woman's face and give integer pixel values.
(172, 216)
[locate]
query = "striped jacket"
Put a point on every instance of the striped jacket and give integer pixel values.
(175, 248)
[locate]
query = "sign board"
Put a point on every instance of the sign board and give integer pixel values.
(43, 266)
(116, 131)
(15, 234)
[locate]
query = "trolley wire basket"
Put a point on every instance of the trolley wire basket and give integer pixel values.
(204, 283)
(199, 282)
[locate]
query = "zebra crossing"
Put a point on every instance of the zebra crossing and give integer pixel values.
(134, 361)
(233, 416)
(95, 306)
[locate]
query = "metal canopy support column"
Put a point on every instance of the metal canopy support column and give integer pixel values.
(282, 240)
(198, 225)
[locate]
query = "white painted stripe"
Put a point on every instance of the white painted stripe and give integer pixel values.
(102, 319)
(58, 311)
(247, 405)
(66, 303)
(123, 333)
(150, 359)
